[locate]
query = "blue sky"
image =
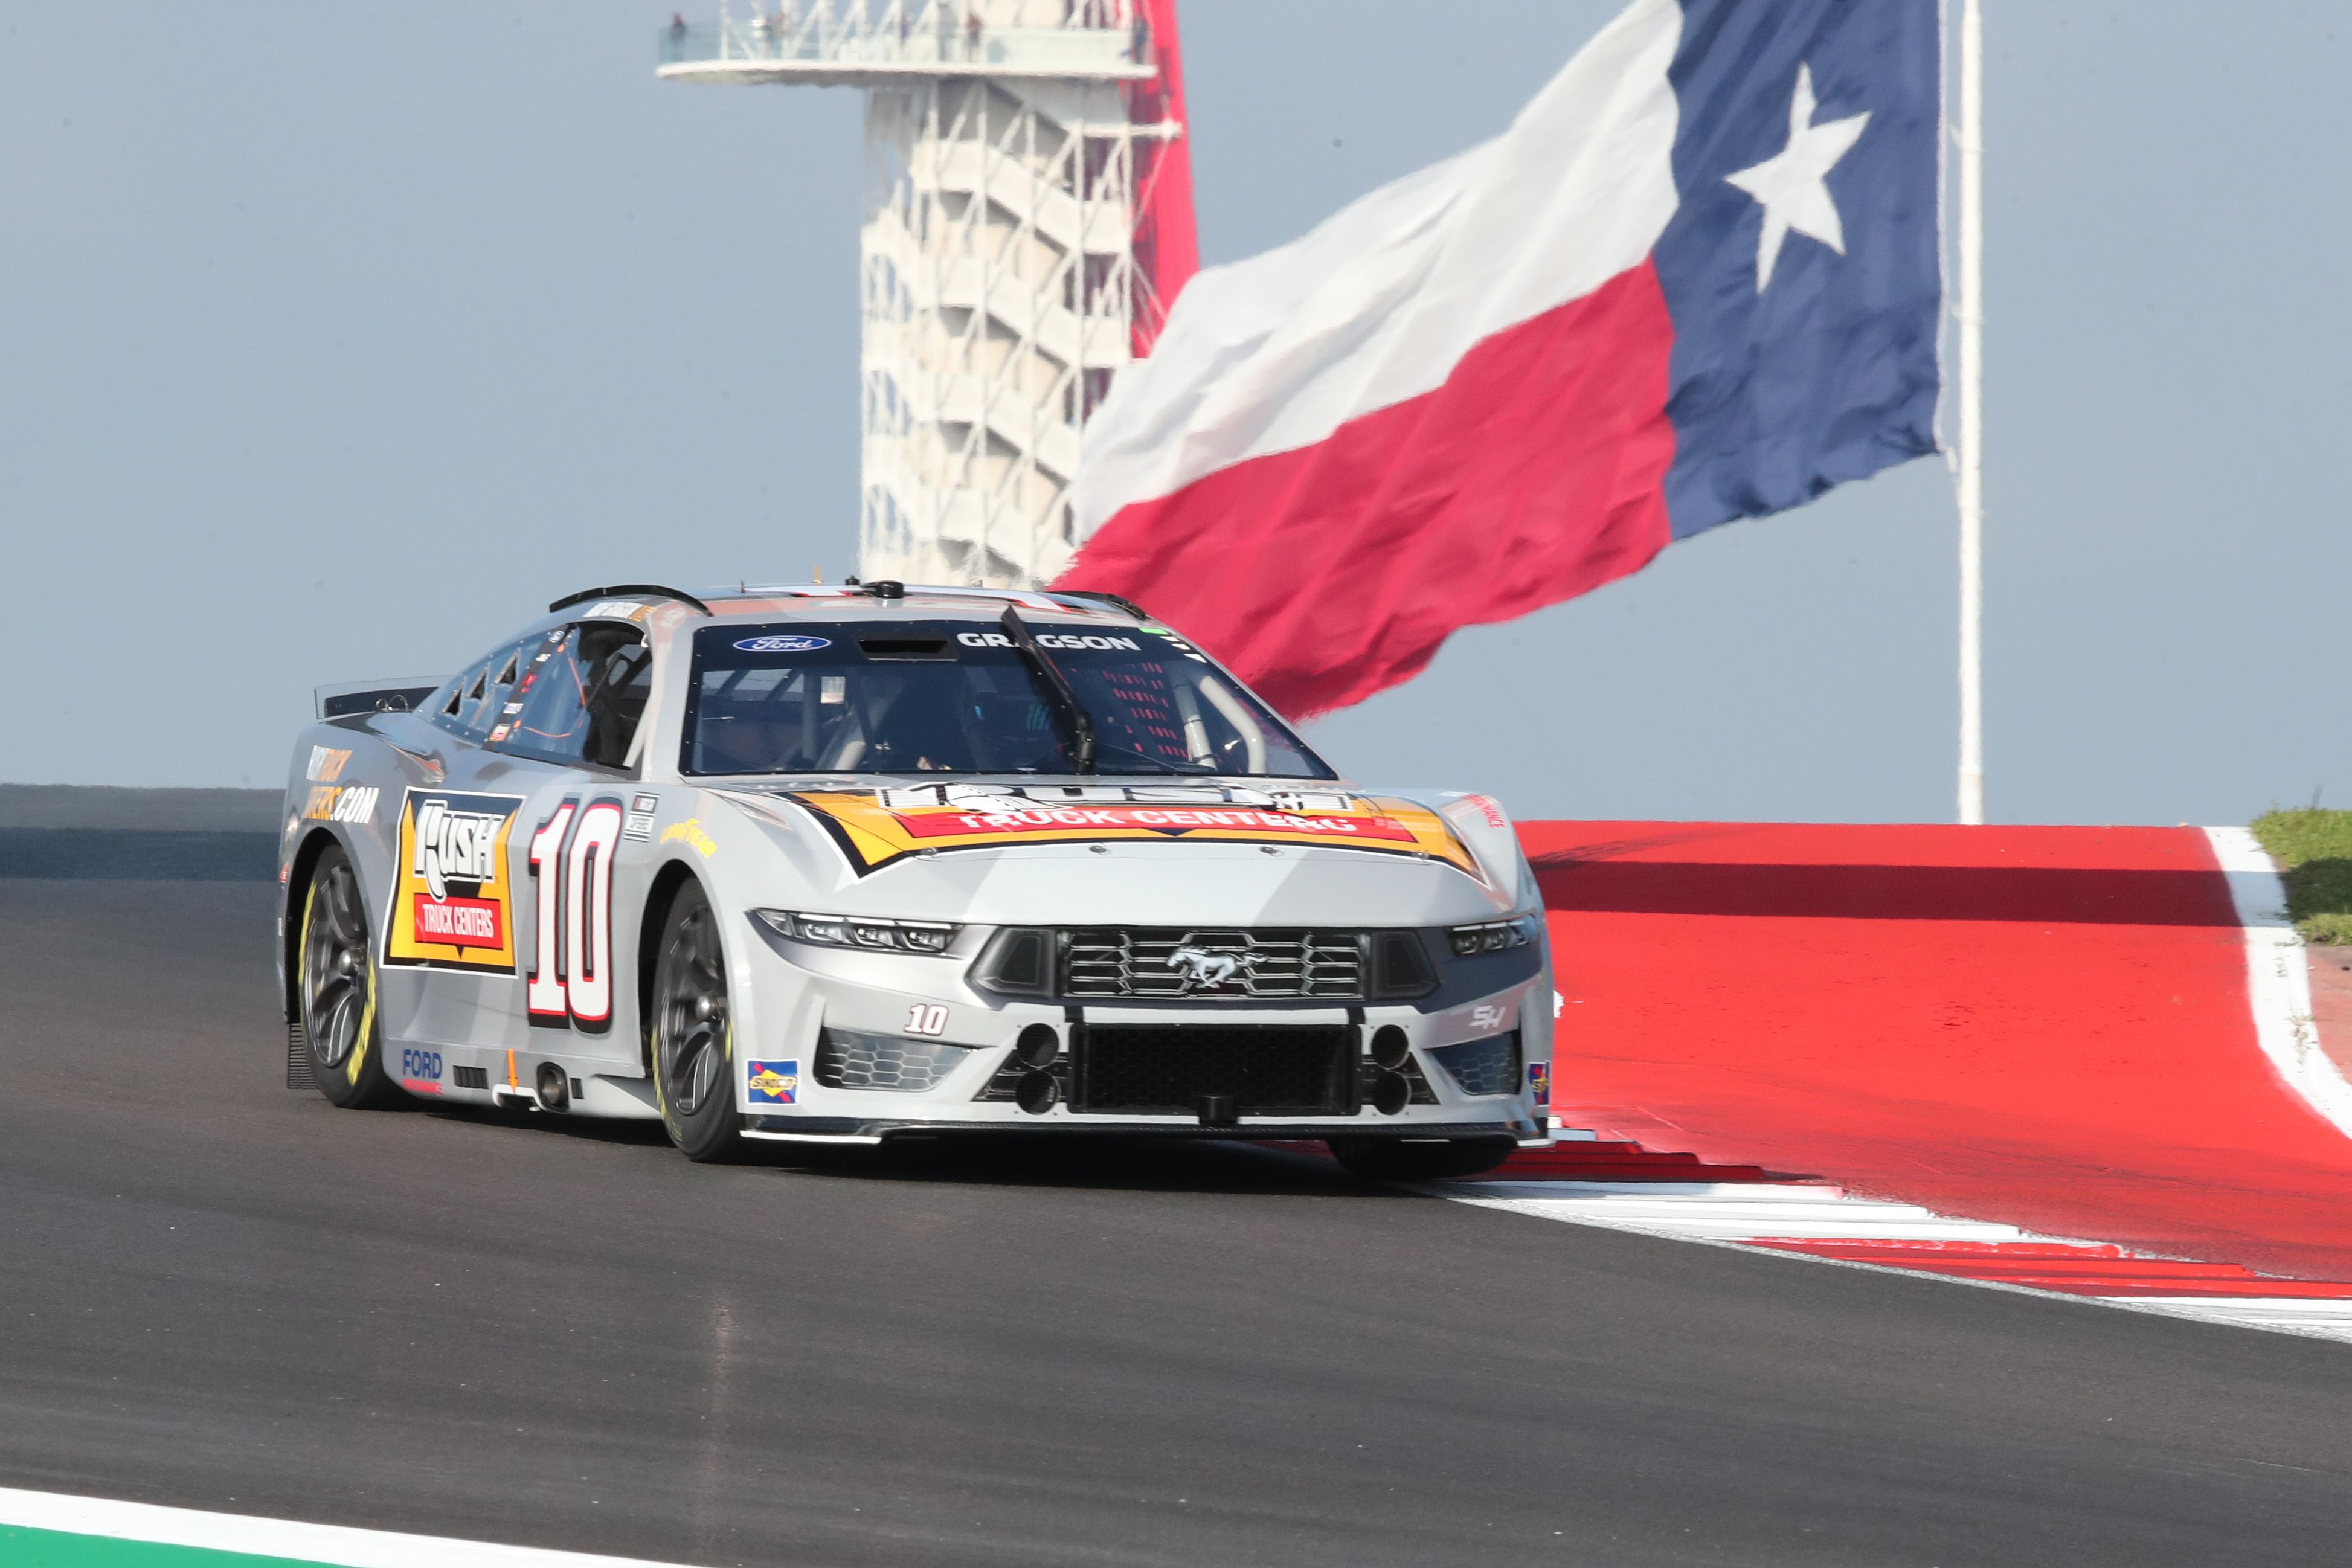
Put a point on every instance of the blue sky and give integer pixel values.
(336, 341)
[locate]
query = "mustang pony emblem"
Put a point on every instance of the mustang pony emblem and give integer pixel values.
(1205, 966)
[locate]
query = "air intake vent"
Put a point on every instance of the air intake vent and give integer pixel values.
(470, 1078)
(847, 1059)
(1260, 1070)
(1482, 1067)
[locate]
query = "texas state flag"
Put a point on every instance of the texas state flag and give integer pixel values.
(1697, 280)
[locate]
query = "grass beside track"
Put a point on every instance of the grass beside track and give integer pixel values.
(2313, 848)
(22, 1548)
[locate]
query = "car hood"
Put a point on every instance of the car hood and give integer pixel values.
(1184, 855)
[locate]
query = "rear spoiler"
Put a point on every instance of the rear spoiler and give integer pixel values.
(342, 699)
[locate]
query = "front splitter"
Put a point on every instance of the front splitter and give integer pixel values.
(859, 1130)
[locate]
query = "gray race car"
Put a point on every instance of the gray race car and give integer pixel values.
(838, 864)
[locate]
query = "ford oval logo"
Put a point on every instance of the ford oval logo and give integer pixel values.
(783, 645)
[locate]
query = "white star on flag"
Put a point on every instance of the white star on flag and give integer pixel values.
(1793, 183)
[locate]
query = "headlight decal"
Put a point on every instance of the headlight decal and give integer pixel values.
(1495, 936)
(928, 936)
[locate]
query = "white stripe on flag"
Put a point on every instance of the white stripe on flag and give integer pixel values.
(1378, 303)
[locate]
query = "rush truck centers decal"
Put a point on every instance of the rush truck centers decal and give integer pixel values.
(452, 907)
(873, 834)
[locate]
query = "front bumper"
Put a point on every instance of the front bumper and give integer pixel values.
(808, 1002)
(851, 1130)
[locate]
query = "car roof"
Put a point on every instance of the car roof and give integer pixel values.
(669, 614)
(826, 602)
(818, 601)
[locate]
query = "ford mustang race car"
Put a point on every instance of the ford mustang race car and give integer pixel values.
(845, 864)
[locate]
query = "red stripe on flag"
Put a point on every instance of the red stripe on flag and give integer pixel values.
(1167, 250)
(1324, 575)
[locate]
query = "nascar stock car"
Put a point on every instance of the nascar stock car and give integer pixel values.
(844, 864)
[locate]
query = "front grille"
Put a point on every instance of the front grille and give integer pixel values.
(1263, 1069)
(1208, 964)
(849, 1059)
(1482, 1067)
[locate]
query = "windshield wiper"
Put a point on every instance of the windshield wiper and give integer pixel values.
(1066, 696)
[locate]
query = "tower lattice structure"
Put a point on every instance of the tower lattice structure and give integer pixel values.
(1027, 219)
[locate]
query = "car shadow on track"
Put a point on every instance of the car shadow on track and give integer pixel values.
(1105, 1162)
(593, 1128)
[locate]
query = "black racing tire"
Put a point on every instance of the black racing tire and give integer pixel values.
(690, 1036)
(335, 989)
(1419, 1159)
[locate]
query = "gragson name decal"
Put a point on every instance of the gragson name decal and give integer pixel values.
(453, 907)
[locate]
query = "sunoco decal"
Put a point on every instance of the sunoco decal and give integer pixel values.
(452, 907)
(773, 1083)
(873, 834)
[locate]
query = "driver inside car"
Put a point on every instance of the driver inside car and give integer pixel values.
(905, 725)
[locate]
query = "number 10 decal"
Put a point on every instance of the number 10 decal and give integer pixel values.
(571, 947)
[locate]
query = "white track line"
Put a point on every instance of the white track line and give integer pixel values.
(1734, 1210)
(2331, 1319)
(2278, 979)
(339, 1545)
(1731, 1211)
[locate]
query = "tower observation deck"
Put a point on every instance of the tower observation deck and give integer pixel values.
(1028, 217)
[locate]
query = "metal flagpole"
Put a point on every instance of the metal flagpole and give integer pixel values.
(1968, 314)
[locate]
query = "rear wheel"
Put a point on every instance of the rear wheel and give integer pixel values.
(1419, 1159)
(336, 990)
(692, 1037)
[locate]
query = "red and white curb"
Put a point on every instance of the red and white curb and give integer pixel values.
(1826, 1224)
(1621, 1186)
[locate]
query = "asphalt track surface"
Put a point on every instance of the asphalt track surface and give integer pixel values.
(218, 1294)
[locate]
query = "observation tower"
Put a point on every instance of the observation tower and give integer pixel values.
(1028, 219)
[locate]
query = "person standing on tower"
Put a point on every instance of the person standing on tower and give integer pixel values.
(971, 34)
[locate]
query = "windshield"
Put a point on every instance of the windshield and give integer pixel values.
(958, 697)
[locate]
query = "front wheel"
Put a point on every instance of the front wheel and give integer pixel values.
(336, 990)
(1419, 1159)
(692, 1038)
